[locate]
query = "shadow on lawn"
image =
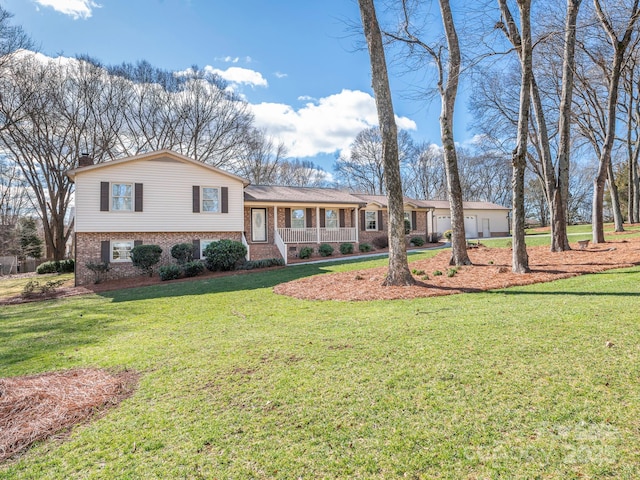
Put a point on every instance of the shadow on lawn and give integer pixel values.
(229, 283)
(49, 330)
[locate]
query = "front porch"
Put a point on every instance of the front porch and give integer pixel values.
(318, 235)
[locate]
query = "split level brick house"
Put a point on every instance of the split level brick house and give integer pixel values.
(165, 198)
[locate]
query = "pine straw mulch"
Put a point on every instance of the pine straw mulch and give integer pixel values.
(491, 270)
(37, 407)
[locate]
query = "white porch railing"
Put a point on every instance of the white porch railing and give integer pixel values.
(281, 245)
(246, 244)
(317, 235)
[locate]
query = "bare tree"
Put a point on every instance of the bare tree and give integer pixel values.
(301, 173)
(398, 274)
(425, 177)
(362, 170)
(448, 63)
(610, 25)
(260, 160)
(521, 39)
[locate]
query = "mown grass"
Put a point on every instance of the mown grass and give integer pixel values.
(240, 383)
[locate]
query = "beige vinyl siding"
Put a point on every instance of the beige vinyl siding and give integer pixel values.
(168, 207)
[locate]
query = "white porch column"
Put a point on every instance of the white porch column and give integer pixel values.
(318, 224)
(355, 222)
(275, 221)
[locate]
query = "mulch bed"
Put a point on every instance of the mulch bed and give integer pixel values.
(37, 407)
(491, 269)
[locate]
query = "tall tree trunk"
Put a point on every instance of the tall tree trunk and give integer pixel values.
(559, 239)
(636, 192)
(522, 42)
(619, 49)
(448, 93)
(615, 199)
(398, 274)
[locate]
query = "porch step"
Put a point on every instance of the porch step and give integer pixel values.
(260, 251)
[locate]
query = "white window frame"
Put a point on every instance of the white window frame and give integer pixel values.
(409, 216)
(303, 219)
(203, 200)
(335, 220)
(204, 244)
(112, 246)
(113, 197)
(367, 221)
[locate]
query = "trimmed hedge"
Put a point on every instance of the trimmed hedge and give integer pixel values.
(56, 266)
(145, 257)
(224, 255)
(325, 250)
(169, 272)
(346, 248)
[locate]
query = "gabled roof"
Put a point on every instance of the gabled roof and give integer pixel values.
(273, 193)
(152, 156)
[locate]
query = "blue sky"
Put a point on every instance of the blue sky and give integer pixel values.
(299, 63)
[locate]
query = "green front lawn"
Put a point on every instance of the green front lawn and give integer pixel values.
(240, 383)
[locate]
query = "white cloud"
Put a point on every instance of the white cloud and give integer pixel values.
(327, 126)
(239, 76)
(281, 75)
(228, 59)
(73, 8)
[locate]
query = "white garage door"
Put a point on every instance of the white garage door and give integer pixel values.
(470, 226)
(443, 223)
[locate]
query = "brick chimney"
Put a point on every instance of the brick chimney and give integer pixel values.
(85, 160)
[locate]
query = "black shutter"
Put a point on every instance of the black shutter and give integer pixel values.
(309, 218)
(224, 195)
(138, 197)
(379, 219)
(287, 218)
(363, 225)
(343, 223)
(414, 220)
(196, 199)
(104, 196)
(323, 218)
(196, 249)
(105, 251)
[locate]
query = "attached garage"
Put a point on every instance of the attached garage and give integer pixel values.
(470, 226)
(443, 223)
(481, 219)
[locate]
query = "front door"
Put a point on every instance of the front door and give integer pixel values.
(258, 224)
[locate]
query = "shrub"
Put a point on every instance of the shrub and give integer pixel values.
(418, 241)
(346, 248)
(224, 255)
(182, 252)
(437, 273)
(451, 272)
(47, 267)
(325, 250)
(407, 227)
(364, 247)
(66, 266)
(169, 272)
(34, 286)
(417, 272)
(99, 269)
(264, 263)
(145, 257)
(305, 252)
(447, 234)
(381, 241)
(193, 268)
(56, 266)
